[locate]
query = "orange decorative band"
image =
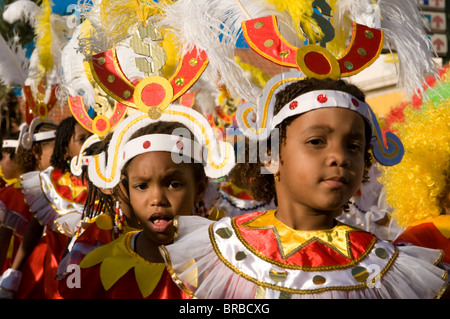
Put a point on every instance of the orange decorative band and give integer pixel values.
(40, 109)
(108, 74)
(264, 38)
(101, 124)
(189, 69)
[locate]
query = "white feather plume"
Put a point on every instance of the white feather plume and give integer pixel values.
(74, 79)
(98, 41)
(13, 62)
(404, 32)
(21, 9)
(214, 26)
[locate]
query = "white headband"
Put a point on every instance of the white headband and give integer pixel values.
(38, 137)
(217, 156)
(29, 136)
(257, 122)
(163, 142)
(77, 162)
(10, 143)
(322, 99)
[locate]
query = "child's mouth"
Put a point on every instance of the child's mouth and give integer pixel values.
(160, 222)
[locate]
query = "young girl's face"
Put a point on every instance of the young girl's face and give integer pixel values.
(322, 159)
(159, 190)
(77, 140)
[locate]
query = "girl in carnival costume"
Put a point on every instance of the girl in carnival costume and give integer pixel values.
(34, 152)
(56, 198)
(163, 177)
(314, 165)
(14, 220)
(107, 214)
(304, 224)
(161, 155)
(418, 188)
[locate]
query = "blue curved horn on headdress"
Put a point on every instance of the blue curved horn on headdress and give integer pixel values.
(391, 154)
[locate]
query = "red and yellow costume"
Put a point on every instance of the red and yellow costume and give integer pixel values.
(15, 214)
(116, 271)
(432, 232)
(97, 232)
(256, 256)
(57, 200)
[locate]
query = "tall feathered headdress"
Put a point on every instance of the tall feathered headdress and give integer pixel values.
(154, 97)
(404, 31)
(214, 27)
(313, 60)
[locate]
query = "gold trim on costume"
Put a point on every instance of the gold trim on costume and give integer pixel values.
(292, 290)
(172, 273)
(297, 267)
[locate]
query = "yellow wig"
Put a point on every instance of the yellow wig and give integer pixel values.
(414, 186)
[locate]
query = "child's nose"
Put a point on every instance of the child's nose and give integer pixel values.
(158, 197)
(338, 157)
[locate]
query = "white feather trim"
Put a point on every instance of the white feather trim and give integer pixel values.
(21, 9)
(404, 32)
(214, 26)
(74, 79)
(98, 42)
(13, 62)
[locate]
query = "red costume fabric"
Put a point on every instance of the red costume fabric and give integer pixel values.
(431, 233)
(102, 276)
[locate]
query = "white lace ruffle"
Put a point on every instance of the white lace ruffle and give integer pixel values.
(195, 265)
(48, 206)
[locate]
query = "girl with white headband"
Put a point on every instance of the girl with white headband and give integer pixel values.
(107, 214)
(55, 198)
(299, 250)
(160, 164)
(14, 214)
(33, 150)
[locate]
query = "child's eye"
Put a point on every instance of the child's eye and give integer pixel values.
(316, 141)
(140, 186)
(355, 147)
(82, 139)
(175, 184)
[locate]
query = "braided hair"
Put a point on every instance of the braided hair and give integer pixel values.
(64, 132)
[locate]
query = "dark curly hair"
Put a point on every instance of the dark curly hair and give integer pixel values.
(262, 186)
(64, 132)
(27, 160)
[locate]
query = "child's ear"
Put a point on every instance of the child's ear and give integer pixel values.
(271, 164)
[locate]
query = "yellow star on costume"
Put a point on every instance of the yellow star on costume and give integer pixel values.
(75, 190)
(117, 258)
(290, 240)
